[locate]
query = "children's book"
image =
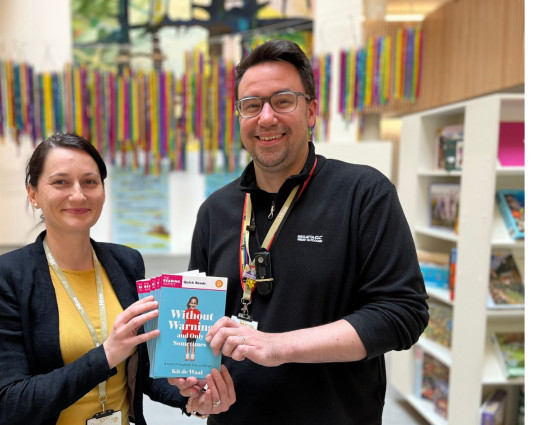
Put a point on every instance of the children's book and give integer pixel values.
(435, 383)
(452, 272)
(493, 409)
(189, 304)
(511, 203)
(440, 323)
(418, 368)
(506, 287)
(510, 350)
(449, 148)
(434, 267)
(444, 205)
(441, 393)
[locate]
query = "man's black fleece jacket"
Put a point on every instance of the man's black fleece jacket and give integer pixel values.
(344, 252)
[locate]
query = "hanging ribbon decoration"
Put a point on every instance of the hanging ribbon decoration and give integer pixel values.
(408, 54)
(322, 74)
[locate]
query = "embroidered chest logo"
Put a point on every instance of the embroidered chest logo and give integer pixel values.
(310, 238)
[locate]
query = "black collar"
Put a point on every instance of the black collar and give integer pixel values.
(248, 182)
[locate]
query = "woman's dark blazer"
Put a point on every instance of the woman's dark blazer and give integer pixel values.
(35, 386)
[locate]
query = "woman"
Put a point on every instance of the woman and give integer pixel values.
(71, 346)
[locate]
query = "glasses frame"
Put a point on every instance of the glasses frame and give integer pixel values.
(265, 99)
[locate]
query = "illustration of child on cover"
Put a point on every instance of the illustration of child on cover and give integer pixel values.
(192, 327)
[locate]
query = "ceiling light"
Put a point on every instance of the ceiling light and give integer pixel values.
(404, 18)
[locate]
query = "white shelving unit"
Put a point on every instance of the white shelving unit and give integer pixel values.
(474, 369)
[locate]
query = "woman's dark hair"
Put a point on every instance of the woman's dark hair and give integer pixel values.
(67, 141)
(279, 50)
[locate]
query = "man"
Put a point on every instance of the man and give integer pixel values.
(317, 296)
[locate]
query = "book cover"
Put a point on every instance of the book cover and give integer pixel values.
(441, 394)
(155, 283)
(432, 371)
(143, 288)
(506, 286)
(435, 383)
(449, 147)
(493, 409)
(511, 144)
(188, 307)
(418, 362)
(452, 272)
(440, 323)
(511, 203)
(459, 154)
(435, 268)
(510, 351)
(444, 205)
(452, 149)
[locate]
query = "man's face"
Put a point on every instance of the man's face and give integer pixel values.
(277, 142)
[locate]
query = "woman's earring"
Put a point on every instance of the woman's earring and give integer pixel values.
(36, 205)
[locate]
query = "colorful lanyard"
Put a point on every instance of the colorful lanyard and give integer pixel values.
(248, 277)
(100, 300)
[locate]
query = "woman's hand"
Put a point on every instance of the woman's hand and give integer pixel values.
(124, 335)
(218, 396)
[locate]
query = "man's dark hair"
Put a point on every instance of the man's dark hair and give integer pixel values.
(69, 141)
(279, 50)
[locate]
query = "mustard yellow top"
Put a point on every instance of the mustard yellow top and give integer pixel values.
(75, 341)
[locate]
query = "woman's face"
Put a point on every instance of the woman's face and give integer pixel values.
(193, 303)
(70, 191)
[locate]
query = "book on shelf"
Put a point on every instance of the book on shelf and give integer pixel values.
(493, 410)
(511, 144)
(506, 286)
(511, 203)
(418, 365)
(444, 205)
(435, 383)
(440, 323)
(452, 272)
(189, 304)
(510, 351)
(449, 148)
(434, 267)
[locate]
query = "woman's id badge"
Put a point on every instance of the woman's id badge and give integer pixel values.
(108, 417)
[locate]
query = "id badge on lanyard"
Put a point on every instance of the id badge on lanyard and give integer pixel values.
(109, 417)
(256, 273)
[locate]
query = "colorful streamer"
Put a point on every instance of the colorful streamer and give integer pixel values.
(145, 118)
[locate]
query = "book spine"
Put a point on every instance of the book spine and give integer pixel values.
(452, 272)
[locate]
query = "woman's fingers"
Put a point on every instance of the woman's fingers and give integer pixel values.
(124, 334)
(220, 393)
(188, 387)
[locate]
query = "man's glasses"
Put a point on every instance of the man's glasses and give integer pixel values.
(283, 103)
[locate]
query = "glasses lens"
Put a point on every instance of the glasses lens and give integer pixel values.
(249, 107)
(284, 102)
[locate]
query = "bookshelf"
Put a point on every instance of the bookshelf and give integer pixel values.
(474, 370)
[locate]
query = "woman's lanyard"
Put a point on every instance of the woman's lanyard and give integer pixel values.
(100, 300)
(249, 276)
